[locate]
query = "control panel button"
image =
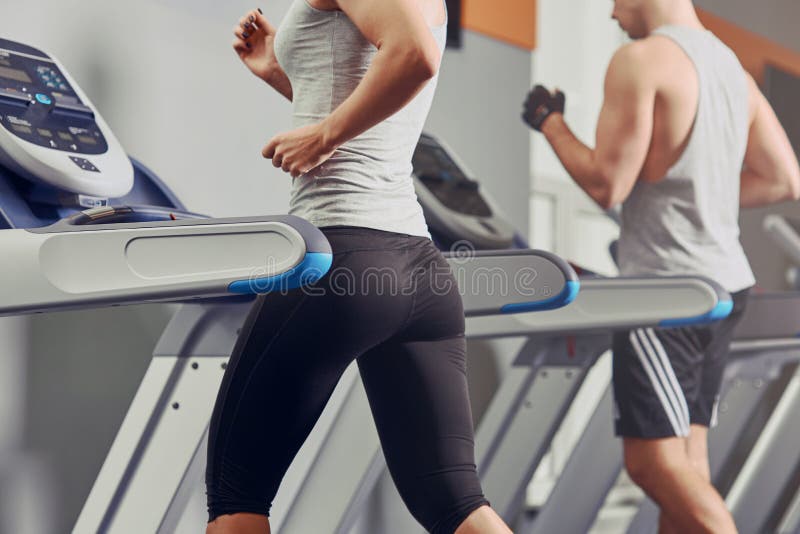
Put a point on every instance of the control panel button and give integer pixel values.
(44, 99)
(21, 128)
(84, 164)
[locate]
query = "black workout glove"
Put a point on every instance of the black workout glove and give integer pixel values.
(540, 104)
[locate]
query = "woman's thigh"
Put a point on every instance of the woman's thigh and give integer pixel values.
(290, 355)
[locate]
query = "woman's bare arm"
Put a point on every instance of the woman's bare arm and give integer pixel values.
(254, 43)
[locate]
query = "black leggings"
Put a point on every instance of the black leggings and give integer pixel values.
(391, 303)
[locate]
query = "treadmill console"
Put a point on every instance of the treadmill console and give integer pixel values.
(455, 208)
(49, 130)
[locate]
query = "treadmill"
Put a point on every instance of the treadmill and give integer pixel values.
(753, 450)
(89, 227)
(526, 411)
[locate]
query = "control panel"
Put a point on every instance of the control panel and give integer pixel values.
(455, 207)
(49, 130)
(444, 178)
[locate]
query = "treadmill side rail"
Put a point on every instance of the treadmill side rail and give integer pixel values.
(512, 281)
(118, 264)
(608, 304)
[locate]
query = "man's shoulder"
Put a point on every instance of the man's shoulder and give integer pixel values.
(645, 58)
(646, 52)
(632, 61)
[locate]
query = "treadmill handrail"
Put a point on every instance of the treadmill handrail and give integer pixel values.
(780, 230)
(77, 264)
(512, 281)
(618, 304)
(69, 266)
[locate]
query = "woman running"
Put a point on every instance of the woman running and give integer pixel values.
(361, 77)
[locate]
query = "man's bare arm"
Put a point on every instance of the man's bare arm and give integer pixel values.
(771, 172)
(609, 171)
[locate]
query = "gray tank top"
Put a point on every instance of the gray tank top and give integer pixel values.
(688, 222)
(367, 182)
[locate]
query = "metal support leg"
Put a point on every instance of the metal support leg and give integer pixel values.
(791, 521)
(770, 466)
(588, 476)
(147, 475)
(538, 404)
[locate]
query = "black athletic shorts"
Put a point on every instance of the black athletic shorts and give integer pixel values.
(668, 379)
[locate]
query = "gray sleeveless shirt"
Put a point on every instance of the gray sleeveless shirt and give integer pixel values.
(688, 222)
(367, 182)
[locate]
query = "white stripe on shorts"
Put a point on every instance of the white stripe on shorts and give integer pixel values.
(670, 372)
(646, 362)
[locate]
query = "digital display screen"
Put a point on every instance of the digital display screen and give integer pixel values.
(434, 162)
(86, 139)
(15, 74)
(65, 136)
(21, 128)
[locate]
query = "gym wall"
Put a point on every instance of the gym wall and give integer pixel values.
(773, 19)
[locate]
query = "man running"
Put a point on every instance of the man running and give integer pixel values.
(684, 139)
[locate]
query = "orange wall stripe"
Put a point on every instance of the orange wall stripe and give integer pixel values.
(753, 50)
(510, 21)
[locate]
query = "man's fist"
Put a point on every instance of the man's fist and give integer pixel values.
(540, 104)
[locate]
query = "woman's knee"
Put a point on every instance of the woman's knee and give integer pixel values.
(233, 489)
(441, 501)
(224, 505)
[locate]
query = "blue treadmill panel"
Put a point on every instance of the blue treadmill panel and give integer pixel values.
(720, 311)
(313, 267)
